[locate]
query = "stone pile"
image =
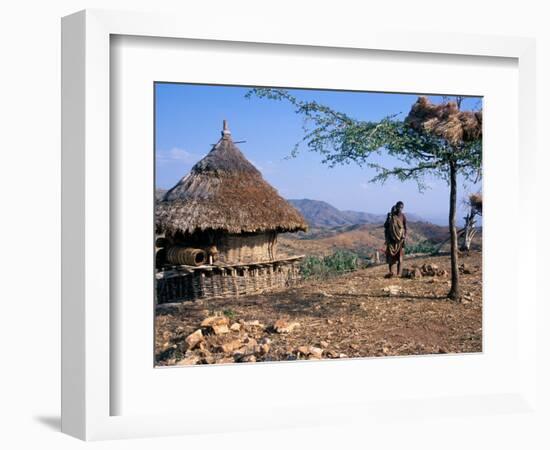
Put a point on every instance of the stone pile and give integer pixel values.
(425, 270)
(220, 340)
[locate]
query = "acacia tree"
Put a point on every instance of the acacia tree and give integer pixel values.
(433, 140)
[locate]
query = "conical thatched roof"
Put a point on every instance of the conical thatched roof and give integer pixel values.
(445, 121)
(224, 191)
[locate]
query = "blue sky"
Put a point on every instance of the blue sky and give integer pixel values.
(189, 120)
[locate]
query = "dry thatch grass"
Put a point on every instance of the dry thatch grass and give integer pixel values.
(224, 191)
(445, 121)
(476, 201)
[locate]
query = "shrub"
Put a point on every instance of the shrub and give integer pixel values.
(339, 262)
(425, 246)
(229, 313)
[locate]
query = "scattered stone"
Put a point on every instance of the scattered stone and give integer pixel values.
(225, 360)
(303, 349)
(189, 361)
(413, 273)
(250, 341)
(251, 323)
(218, 324)
(246, 359)
(315, 352)
(214, 320)
(230, 346)
(426, 270)
(282, 326)
(265, 340)
(203, 347)
(194, 339)
(208, 360)
(393, 289)
(250, 347)
(235, 327)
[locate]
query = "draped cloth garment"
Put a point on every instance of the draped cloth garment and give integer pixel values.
(395, 229)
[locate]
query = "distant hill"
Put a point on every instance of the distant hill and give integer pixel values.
(320, 214)
(360, 238)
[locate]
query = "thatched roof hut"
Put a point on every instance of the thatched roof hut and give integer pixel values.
(225, 192)
(446, 121)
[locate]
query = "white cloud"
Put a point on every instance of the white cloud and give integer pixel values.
(176, 154)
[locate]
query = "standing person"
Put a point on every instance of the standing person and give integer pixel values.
(395, 232)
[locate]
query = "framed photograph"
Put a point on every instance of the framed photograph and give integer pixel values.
(279, 216)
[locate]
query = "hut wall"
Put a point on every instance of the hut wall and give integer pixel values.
(228, 282)
(247, 248)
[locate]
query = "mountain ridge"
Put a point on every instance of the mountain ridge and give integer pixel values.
(321, 214)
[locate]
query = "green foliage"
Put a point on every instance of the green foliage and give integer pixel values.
(341, 139)
(229, 313)
(425, 246)
(339, 262)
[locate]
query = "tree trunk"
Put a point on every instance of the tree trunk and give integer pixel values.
(468, 232)
(454, 293)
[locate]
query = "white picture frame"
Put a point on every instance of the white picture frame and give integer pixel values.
(88, 386)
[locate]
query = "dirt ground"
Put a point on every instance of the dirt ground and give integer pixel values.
(358, 314)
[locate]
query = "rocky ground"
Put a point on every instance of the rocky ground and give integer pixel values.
(359, 314)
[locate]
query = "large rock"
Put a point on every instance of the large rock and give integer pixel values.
(230, 346)
(249, 346)
(218, 324)
(215, 320)
(194, 339)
